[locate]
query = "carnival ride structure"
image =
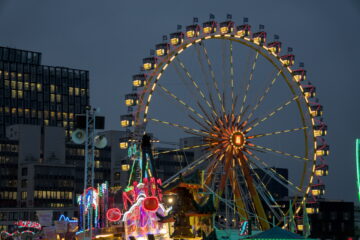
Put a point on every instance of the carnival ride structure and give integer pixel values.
(205, 81)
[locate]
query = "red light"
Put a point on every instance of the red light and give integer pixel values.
(151, 204)
(113, 214)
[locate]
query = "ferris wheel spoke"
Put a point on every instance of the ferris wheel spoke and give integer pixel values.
(276, 151)
(261, 99)
(183, 149)
(277, 132)
(232, 85)
(254, 196)
(271, 114)
(182, 103)
(200, 92)
(265, 193)
(271, 172)
(190, 167)
(249, 82)
(213, 78)
(178, 126)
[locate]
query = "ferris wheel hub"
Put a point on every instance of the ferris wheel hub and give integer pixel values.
(237, 139)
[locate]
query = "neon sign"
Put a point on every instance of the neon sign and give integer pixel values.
(28, 224)
(113, 214)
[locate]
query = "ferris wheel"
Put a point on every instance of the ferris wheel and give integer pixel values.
(251, 110)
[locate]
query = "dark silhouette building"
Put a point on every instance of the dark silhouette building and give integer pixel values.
(335, 220)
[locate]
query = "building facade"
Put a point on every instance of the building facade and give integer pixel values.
(32, 93)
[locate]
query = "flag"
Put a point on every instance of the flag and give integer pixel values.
(246, 20)
(290, 49)
(301, 64)
(229, 16)
(276, 37)
(152, 52)
(179, 27)
(261, 26)
(195, 20)
(165, 38)
(212, 16)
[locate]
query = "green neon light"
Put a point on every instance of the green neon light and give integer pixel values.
(358, 165)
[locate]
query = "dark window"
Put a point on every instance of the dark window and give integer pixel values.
(24, 172)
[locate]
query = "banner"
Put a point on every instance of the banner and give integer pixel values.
(45, 217)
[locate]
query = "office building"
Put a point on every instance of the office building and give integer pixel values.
(32, 93)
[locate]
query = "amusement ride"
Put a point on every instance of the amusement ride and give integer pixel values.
(235, 90)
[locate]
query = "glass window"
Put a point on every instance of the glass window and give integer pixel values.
(23, 195)
(24, 172)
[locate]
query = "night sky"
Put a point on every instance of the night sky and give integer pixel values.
(110, 37)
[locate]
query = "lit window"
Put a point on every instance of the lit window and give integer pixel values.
(19, 76)
(26, 86)
(64, 115)
(20, 94)
(20, 85)
(65, 123)
(13, 110)
(52, 114)
(71, 115)
(52, 88)
(7, 109)
(58, 98)
(13, 84)
(83, 91)
(27, 112)
(71, 91)
(77, 91)
(46, 122)
(7, 83)
(52, 97)
(33, 86)
(13, 93)
(20, 111)
(39, 87)
(23, 195)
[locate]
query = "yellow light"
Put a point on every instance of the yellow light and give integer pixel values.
(257, 40)
(322, 152)
(310, 210)
(104, 235)
(174, 41)
(190, 33)
(124, 145)
(207, 29)
(125, 167)
(300, 227)
(316, 192)
(224, 30)
(137, 83)
(309, 94)
(147, 66)
(160, 52)
(318, 133)
(129, 102)
(170, 200)
(125, 123)
(241, 33)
